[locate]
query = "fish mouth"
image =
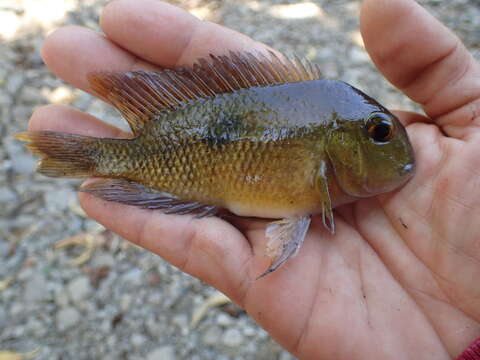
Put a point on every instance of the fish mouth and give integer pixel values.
(405, 173)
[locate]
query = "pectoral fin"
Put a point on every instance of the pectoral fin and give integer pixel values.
(322, 184)
(285, 237)
(131, 193)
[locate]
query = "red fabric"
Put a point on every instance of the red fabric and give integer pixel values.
(472, 352)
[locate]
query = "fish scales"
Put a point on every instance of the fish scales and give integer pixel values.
(240, 151)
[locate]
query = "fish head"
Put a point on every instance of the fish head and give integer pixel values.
(370, 153)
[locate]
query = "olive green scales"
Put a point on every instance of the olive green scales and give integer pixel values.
(255, 135)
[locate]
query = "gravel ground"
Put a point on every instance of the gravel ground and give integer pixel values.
(122, 302)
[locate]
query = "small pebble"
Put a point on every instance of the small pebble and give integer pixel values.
(103, 259)
(3, 317)
(134, 276)
(6, 195)
(60, 199)
(17, 308)
(162, 353)
(285, 356)
(125, 302)
(23, 164)
(249, 331)
(232, 337)
(212, 336)
(67, 318)
(358, 55)
(79, 288)
(138, 340)
(32, 95)
(61, 298)
(36, 289)
(224, 320)
(14, 82)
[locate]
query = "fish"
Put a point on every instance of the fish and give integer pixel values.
(253, 135)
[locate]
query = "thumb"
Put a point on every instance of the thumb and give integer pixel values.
(419, 55)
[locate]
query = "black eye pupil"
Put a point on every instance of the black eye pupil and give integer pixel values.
(380, 127)
(381, 131)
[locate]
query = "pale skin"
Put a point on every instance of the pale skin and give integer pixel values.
(400, 278)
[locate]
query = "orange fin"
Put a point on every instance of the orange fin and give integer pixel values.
(130, 193)
(62, 155)
(141, 96)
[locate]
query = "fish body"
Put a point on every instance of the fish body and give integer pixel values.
(255, 152)
(284, 144)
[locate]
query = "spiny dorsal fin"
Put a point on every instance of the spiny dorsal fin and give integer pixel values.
(141, 96)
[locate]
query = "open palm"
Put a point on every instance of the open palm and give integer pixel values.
(400, 278)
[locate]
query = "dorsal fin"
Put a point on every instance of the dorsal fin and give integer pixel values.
(141, 96)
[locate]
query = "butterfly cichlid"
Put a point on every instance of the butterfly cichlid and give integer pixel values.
(255, 135)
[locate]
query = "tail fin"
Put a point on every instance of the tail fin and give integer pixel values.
(62, 155)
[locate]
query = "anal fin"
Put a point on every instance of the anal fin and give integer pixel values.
(285, 239)
(130, 193)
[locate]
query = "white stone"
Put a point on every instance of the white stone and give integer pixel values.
(286, 356)
(125, 302)
(262, 334)
(181, 320)
(79, 288)
(36, 289)
(232, 337)
(3, 317)
(32, 95)
(17, 308)
(249, 331)
(134, 276)
(212, 336)
(224, 320)
(162, 353)
(138, 340)
(358, 55)
(14, 82)
(23, 164)
(103, 259)
(60, 199)
(6, 195)
(67, 318)
(61, 298)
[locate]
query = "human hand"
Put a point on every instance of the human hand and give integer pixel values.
(399, 279)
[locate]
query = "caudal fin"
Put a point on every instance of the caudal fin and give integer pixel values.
(62, 155)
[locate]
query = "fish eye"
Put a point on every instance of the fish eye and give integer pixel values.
(379, 127)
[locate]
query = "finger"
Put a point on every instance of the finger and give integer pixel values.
(179, 38)
(166, 35)
(65, 119)
(419, 55)
(409, 117)
(209, 248)
(72, 52)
